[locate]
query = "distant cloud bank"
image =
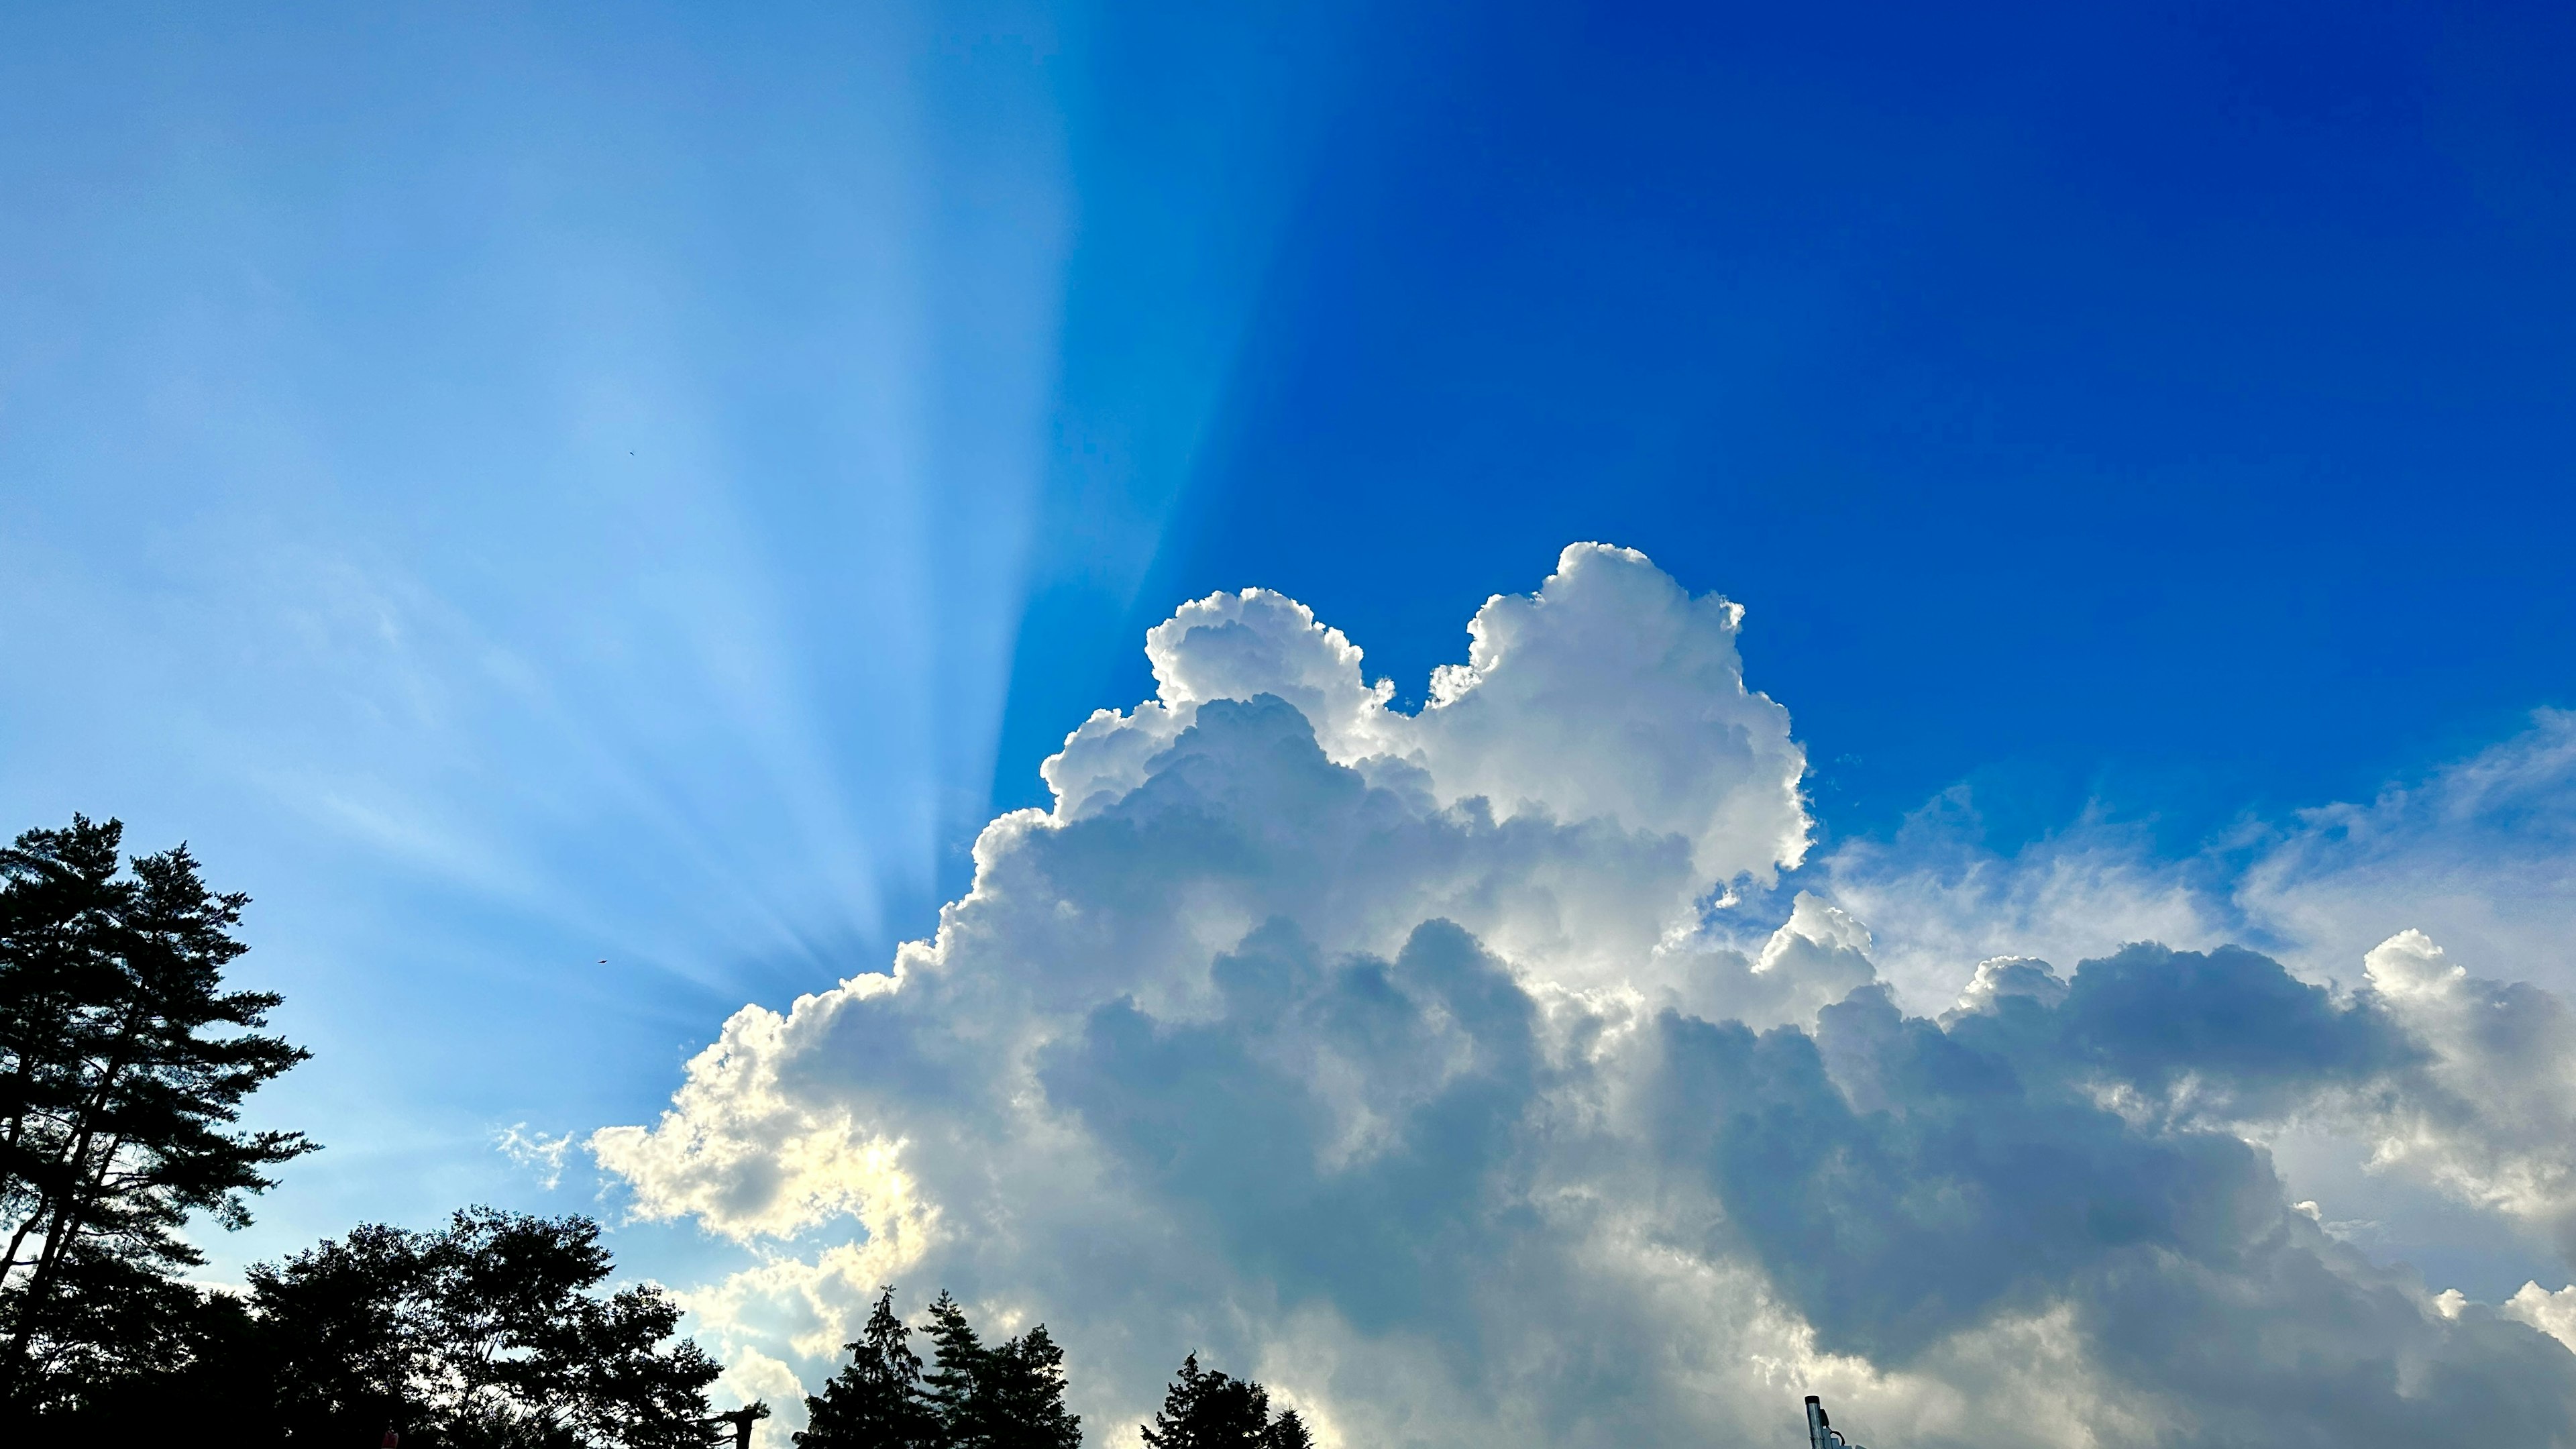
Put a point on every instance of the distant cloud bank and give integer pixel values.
(1426, 1067)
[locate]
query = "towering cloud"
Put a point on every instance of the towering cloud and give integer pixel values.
(1417, 1065)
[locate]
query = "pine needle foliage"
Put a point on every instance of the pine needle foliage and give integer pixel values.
(1008, 1395)
(1205, 1409)
(124, 1063)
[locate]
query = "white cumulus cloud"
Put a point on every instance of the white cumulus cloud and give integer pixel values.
(2492, 1117)
(1418, 1066)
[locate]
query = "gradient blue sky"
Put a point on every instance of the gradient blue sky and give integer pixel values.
(521, 486)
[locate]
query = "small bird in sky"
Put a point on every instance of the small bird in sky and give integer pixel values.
(603, 960)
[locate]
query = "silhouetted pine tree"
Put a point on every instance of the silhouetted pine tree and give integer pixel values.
(957, 1360)
(124, 1062)
(1020, 1396)
(1207, 1410)
(876, 1401)
(1008, 1396)
(1288, 1432)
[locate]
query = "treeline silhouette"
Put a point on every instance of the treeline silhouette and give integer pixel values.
(1010, 1395)
(124, 1064)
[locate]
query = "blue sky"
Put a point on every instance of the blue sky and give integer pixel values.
(518, 487)
(2198, 371)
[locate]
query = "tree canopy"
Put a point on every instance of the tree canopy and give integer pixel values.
(125, 1059)
(876, 1400)
(490, 1332)
(1006, 1396)
(1011, 1395)
(1204, 1409)
(123, 1066)
(124, 1062)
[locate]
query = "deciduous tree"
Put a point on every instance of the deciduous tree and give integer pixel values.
(491, 1332)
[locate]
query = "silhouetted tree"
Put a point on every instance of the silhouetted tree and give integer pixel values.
(875, 1401)
(123, 1065)
(1021, 1396)
(338, 1339)
(1208, 1410)
(956, 1365)
(1288, 1431)
(488, 1333)
(1007, 1396)
(736, 1423)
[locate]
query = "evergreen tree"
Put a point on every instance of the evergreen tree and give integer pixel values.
(957, 1367)
(1288, 1431)
(1207, 1410)
(123, 1065)
(1007, 1396)
(875, 1402)
(1021, 1396)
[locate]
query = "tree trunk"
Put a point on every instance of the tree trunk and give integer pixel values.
(67, 1223)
